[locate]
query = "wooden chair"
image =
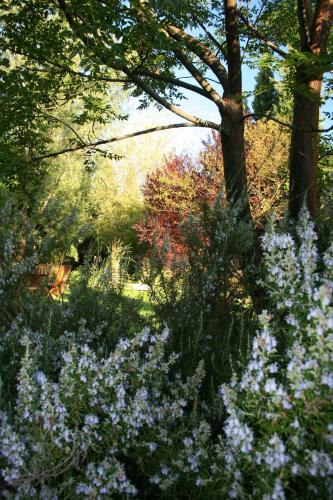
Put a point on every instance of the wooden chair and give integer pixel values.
(61, 274)
(53, 279)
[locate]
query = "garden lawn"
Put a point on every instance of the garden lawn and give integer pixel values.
(143, 296)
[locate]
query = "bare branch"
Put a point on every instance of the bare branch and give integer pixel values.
(206, 86)
(201, 51)
(262, 37)
(166, 104)
(118, 138)
(62, 122)
(287, 125)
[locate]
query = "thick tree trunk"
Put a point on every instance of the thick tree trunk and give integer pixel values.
(304, 149)
(314, 32)
(232, 129)
(233, 148)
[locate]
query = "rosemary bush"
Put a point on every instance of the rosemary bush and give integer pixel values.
(127, 424)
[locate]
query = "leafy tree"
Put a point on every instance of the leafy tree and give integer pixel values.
(43, 110)
(185, 186)
(56, 194)
(182, 187)
(94, 44)
(267, 164)
(97, 42)
(116, 196)
(266, 97)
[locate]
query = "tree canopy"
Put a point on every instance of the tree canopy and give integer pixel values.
(156, 50)
(266, 96)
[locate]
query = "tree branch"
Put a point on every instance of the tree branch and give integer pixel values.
(75, 73)
(212, 38)
(206, 86)
(197, 47)
(171, 107)
(262, 37)
(287, 125)
(202, 52)
(263, 5)
(324, 155)
(208, 79)
(173, 81)
(148, 74)
(131, 74)
(118, 138)
(62, 122)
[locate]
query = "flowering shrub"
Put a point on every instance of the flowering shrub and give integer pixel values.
(207, 292)
(127, 425)
(17, 236)
(94, 312)
(103, 416)
(279, 421)
(277, 437)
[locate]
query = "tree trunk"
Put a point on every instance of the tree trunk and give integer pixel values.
(233, 148)
(232, 129)
(314, 31)
(304, 148)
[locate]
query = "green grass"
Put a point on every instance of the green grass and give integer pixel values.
(146, 308)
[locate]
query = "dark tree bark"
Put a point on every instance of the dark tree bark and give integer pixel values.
(304, 148)
(232, 131)
(234, 154)
(304, 143)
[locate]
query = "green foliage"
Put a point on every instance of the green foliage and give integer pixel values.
(117, 206)
(88, 407)
(94, 297)
(43, 109)
(202, 295)
(116, 200)
(265, 94)
(127, 424)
